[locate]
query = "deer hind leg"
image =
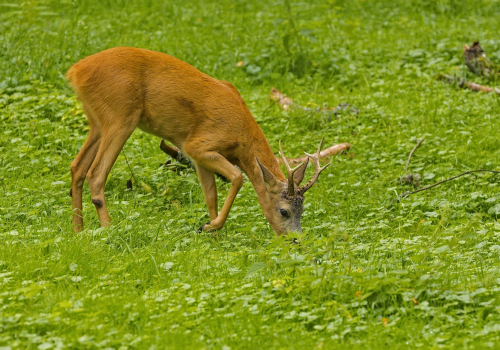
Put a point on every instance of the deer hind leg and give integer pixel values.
(207, 180)
(215, 162)
(79, 169)
(112, 141)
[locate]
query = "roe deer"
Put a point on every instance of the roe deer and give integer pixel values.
(123, 88)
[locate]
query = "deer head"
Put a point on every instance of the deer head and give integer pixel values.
(285, 199)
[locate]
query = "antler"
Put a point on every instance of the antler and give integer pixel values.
(317, 169)
(290, 172)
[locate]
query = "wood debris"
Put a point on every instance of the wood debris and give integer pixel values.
(451, 79)
(478, 63)
(286, 104)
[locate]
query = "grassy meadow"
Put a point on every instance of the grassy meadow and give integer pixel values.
(369, 272)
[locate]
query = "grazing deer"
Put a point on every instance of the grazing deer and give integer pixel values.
(124, 88)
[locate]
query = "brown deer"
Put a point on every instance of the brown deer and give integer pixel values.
(124, 88)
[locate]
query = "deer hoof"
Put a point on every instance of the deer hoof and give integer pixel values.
(204, 227)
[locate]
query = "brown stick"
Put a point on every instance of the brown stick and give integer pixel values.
(171, 151)
(450, 79)
(406, 194)
(284, 102)
(326, 153)
(176, 154)
(411, 153)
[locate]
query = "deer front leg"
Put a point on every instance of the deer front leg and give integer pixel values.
(207, 180)
(215, 162)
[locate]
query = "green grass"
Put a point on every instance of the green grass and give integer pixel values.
(428, 267)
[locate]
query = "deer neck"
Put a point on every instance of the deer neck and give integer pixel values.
(249, 165)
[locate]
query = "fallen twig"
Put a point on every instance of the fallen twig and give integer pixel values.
(411, 179)
(286, 103)
(450, 79)
(406, 194)
(176, 154)
(181, 158)
(411, 153)
(326, 153)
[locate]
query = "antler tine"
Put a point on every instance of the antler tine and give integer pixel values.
(317, 169)
(289, 171)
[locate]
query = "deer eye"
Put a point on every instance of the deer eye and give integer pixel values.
(284, 213)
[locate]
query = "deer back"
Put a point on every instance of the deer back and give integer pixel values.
(175, 99)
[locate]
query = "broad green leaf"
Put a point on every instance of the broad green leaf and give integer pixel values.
(255, 268)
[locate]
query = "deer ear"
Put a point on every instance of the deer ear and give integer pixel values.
(270, 180)
(298, 176)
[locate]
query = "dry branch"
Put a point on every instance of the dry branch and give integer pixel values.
(411, 153)
(326, 153)
(286, 103)
(450, 79)
(176, 154)
(406, 194)
(478, 63)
